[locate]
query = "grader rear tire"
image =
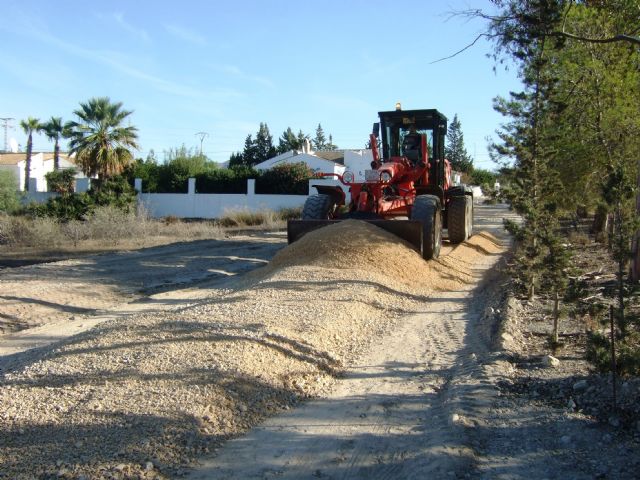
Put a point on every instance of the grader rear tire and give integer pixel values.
(426, 209)
(460, 218)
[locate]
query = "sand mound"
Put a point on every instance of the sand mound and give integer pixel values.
(374, 254)
(357, 246)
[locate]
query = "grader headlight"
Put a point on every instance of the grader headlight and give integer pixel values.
(385, 177)
(347, 177)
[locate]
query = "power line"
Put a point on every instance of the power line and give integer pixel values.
(202, 136)
(6, 126)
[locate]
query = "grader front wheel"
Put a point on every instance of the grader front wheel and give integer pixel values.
(426, 209)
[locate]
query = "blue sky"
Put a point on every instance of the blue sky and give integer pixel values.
(222, 67)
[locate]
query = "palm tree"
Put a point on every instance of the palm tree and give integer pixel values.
(30, 125)
(99, 140)
(54, 130)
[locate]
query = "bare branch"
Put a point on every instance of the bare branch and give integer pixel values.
(463, 49)
(616, 38)
(477, 13)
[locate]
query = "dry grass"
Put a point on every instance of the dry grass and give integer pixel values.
(33, 240)
(246, 218)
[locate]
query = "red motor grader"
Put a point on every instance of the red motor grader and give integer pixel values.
(409, 179)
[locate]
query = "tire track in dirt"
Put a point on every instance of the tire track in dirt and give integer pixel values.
(405, 410)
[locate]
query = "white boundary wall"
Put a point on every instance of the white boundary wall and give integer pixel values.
(206, 205)
(212, 205)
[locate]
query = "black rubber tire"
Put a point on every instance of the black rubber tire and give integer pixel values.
(458, 219)
(426, 209)
(469, 201)
(318, 207)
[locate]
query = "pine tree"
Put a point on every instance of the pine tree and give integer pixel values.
(319, 142)
(250, 152)
(455, 151)
(288, 141)
(236, 159)
(330, 145)
(302, 138)
(576, 125)
(528, 138)
(264, 148)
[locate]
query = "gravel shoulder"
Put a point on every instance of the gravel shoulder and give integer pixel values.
(47, 302)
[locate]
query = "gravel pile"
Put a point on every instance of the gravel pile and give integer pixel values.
(143, 397)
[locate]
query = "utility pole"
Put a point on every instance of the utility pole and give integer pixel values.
(6, 126)
(202, 136)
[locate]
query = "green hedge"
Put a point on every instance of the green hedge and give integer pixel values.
(286, 179)
(225, 180)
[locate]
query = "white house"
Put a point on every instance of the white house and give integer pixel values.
(41, 164)
(319, 162)
(335, 161)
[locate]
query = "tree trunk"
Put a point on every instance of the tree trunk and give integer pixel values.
(27, 166)
(618, 236)
(622, 324)
(56, 156)
(556, 316)
(600, 222)
(634, 274)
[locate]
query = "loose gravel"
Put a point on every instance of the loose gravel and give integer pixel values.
(145, 396)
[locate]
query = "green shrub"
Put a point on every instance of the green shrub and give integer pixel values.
(148, 171)
(285, 179)
(180, 165)
(8, 192)
(483, 177)
(627, 353)
(61, 181)
(71, 206)
(114, 191)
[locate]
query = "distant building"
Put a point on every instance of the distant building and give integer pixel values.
(334, 161)
(41, 164)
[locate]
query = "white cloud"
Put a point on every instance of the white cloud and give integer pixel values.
(136, 32)
(115, 62)
(235, 71)
(186, 35)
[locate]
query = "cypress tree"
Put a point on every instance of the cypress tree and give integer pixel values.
(455, 150)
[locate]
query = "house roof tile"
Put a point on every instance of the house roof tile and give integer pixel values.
(11, 158)
(15, 158)
(336, 156)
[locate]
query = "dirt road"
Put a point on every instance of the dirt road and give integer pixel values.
(406, 410)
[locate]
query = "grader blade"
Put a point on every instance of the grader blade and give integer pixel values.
(408, 230)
